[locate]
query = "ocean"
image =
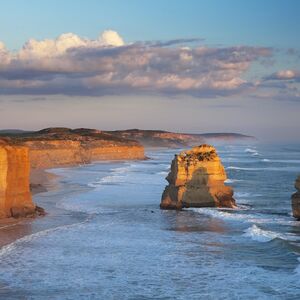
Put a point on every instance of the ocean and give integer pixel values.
(105, 237)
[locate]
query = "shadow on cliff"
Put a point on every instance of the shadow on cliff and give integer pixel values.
(197, 190)
(197, 194)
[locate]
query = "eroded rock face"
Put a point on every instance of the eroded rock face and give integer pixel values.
(15, 196)
(58, 147)
(296, 200)
(197, 179)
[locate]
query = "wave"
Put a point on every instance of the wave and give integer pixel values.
(261, 235)
(283, 169)
(116, 176)
(228, 214)
(236, 215)
(164, 173)
(255, 154)
(28, 238)
(246, 195)
(228, 180)
(244, 169)
(265, 160)
(250, 150)
(87, 208)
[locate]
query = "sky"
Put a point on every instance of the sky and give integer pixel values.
(185, 66)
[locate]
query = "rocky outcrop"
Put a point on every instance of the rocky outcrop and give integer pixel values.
(197, 179)
(58, 147)
(296, 200)
(15, 196)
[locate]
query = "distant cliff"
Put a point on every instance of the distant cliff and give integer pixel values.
(15, 197)
(159, 138)
(57, 147)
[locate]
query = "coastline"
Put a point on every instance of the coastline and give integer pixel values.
(46, 188)
(104, 225)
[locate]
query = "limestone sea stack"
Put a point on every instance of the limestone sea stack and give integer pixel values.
(15, 196)
(197, 179)
(296, 200)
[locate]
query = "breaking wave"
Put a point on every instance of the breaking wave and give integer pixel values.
(249, 150)
(261, 235)
(228, 180)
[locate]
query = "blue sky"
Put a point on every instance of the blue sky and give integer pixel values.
(103, 62)
(272, 23)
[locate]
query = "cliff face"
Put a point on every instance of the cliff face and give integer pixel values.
(57, 147)
(49, 148)
(197, 179)
(15, 197)
(296, 200)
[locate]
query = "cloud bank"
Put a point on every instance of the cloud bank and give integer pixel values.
(72, 65)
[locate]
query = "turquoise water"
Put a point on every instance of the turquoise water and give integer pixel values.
(106, 238)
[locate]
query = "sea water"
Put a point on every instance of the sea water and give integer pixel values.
(105, 237)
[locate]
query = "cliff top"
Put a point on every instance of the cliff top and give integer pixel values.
(201, 153)
(63, 133)
(148, 138)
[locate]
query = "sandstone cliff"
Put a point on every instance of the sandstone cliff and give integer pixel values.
(49, 148)
(57, 147)
(197, 179)
(296, 200)
(15, 197)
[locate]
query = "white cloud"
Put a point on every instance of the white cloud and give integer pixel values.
(111, 38)
(4, 55)
(71, 64)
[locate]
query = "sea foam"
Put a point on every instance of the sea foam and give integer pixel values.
(228, 180)
(261, 235)
(249, 150)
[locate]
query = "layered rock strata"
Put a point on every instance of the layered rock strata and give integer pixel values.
(58, 147)
(15, 196)
(197, 179)
(296, 200)
(50, 148)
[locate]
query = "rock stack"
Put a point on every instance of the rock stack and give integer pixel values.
(15, 196)
(197, 179)
(296, 200)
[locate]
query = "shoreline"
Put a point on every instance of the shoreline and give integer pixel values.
(42, 181)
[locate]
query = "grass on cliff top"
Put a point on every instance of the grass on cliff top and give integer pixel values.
(61, 133)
